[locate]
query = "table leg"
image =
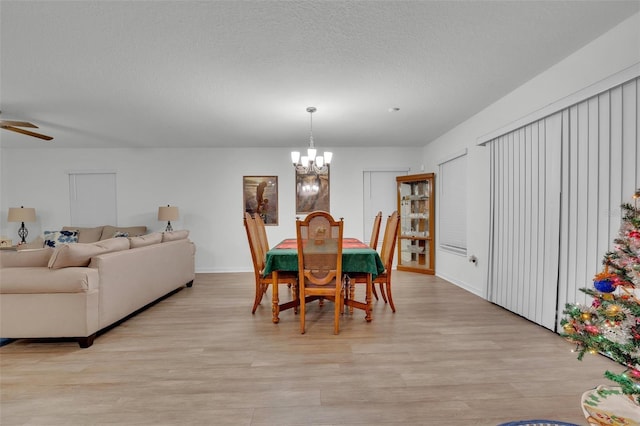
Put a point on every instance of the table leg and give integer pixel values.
(368, 298)
(275, 301)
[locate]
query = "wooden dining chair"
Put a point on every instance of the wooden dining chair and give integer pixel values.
(263, 282)
(386, 255)
(319, 239)
(373, 242)
(262, 233)
(375, 231)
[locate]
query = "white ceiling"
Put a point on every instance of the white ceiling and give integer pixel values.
(242, 73)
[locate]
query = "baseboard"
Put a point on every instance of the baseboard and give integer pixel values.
(461, 285)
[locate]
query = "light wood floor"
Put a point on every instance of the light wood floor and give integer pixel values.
(199, 357)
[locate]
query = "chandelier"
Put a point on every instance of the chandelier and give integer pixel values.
(310, 163)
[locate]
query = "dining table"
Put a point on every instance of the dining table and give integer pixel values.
(357, 258)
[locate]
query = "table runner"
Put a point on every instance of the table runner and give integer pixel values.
(347, 243)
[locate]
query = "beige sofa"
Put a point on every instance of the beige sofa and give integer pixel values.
(76, 290)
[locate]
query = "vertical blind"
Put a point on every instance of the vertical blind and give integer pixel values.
(556, 188)
(525, 197)
(600, 171)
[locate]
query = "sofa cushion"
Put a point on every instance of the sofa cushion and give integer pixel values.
(146, 240)
(24, 258)
(37, 243)
(55, 238)
(175, 235)
(86, 235)
(110, 231)
(80, 254)
(38, 280)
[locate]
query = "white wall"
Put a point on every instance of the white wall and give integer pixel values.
(206, 184)
(613, 52)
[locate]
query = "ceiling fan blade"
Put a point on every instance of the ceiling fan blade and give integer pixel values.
(17, 124)
(26, 132)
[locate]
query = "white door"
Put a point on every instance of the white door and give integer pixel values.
(93, 199)
(379, 195)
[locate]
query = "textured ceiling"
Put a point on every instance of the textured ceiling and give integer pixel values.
(241, 73)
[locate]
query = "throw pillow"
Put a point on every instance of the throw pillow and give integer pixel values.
(56, 238)
(133, 231)
(175, 235)
(86, 235)
(146, 240)
(80, 254)
(25, 258)
(119, 234)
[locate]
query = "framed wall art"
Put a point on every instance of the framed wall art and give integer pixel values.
(312, 192)
(261, 197)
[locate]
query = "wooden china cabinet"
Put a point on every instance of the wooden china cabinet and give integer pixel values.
(416, 236)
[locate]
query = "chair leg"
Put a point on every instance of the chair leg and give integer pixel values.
(345, 294)
(336, 314)
(302, 313)
(382, 292)
(393, 307)
(260, 289)
(375, 293)
(352, 295)
(295, 297)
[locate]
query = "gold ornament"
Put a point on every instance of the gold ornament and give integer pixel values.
(612, 310)
(569, 328)
(585, 316)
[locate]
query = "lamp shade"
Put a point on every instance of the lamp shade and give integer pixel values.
(168, 213)
(21, 214)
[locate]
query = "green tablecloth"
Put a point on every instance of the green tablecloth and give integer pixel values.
(363, 260)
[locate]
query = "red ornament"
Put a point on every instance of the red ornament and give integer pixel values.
(592, 329)
(635, 374)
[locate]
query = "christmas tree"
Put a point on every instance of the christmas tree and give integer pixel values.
(611, 325)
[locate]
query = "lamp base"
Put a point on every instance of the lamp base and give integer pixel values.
(169, 227)
(22, 233)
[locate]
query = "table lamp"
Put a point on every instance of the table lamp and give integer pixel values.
(22, 215)
(168, 213)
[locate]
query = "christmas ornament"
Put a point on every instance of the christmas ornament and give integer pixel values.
(613, 310)
(592, 329)
(604, 281)
(605, 286)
